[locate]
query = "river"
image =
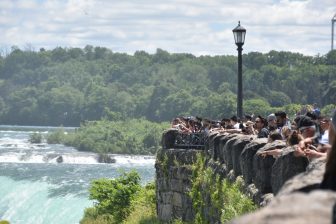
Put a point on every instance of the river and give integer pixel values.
(35, 189)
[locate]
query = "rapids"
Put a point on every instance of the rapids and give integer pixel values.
(36, 188)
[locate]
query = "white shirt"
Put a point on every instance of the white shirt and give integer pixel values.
(325, 137)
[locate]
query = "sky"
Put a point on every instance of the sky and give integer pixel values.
(199, 27)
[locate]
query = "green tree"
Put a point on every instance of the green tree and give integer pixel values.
(114, 196)
(257, 107)
(278, 99)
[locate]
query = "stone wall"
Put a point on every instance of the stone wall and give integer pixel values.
(232, 156)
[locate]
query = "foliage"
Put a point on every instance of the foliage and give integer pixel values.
(235, 203)
(226, 199)
(141, 208)
(163, 161)
(56, 137)
(328, 109)
(134, 136)
(144, 207)
(4, 222)
(35, 138)
(113, 197)
(67, 86)
(257, 106)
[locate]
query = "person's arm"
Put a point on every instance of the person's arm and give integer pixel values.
(274, 152)
(310, 153)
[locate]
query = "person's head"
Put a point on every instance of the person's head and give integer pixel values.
(225, 122)
(312, 115)
(274, 135)
(176, 121)
(247, 117)
(271, 120)
(324, 123)
(260, 122)
(285, 132)
(234, 120)
(281, 118)
(294, 138)
(248, 128)
(306, 126)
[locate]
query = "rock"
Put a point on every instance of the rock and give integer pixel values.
(209, 146)
(263, 167)
(216, 149)
(246, 158)
(296, 208)
(236, 151)
(227, 157)
(105, 158)
(285, 167)
(59, 159)
(168, 138)
(311, 178)
(222, 141)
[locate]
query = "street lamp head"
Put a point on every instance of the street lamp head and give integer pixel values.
(239, 34)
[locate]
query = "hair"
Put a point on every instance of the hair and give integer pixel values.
(263, 120)
(234, 118)
(294, 138)
(312, 115)
(281, 114)
(248, 117)
(274, 135)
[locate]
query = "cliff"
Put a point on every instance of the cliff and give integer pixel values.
(276, 184)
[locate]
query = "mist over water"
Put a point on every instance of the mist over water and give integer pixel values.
(36, 189)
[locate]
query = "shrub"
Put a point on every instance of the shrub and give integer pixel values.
(113, 197)
(35, 138)
(225, 198)
(56, 137)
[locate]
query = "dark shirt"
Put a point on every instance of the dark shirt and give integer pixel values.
(263, 133)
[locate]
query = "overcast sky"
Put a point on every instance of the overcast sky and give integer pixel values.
(199, 27)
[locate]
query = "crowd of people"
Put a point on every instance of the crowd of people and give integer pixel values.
(312, 134)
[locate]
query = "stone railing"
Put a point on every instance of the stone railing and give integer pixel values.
(235, 156)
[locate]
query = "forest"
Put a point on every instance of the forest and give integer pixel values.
(67, 86)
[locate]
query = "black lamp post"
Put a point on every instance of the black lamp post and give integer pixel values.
(239, 36)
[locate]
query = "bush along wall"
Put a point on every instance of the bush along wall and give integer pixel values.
(187, 188)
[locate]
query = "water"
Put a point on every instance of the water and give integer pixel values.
(35, 188)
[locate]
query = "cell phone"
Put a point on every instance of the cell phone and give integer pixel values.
(312, 147)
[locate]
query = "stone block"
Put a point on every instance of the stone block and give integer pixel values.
(165, 212)
(286, 167)
(177, 199)
(296, 208)
(246, 158)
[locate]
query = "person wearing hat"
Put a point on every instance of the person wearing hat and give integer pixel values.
(306, 126)
(309, 146)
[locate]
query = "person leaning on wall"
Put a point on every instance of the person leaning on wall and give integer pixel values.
(329, 178)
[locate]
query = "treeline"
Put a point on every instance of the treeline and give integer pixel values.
(66, 86)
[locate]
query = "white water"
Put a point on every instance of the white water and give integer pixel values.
(36, 189)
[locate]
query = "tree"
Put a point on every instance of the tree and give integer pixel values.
(62, 106)
(331, 57)
(257, 107)
(114, 196)
(278, 99)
